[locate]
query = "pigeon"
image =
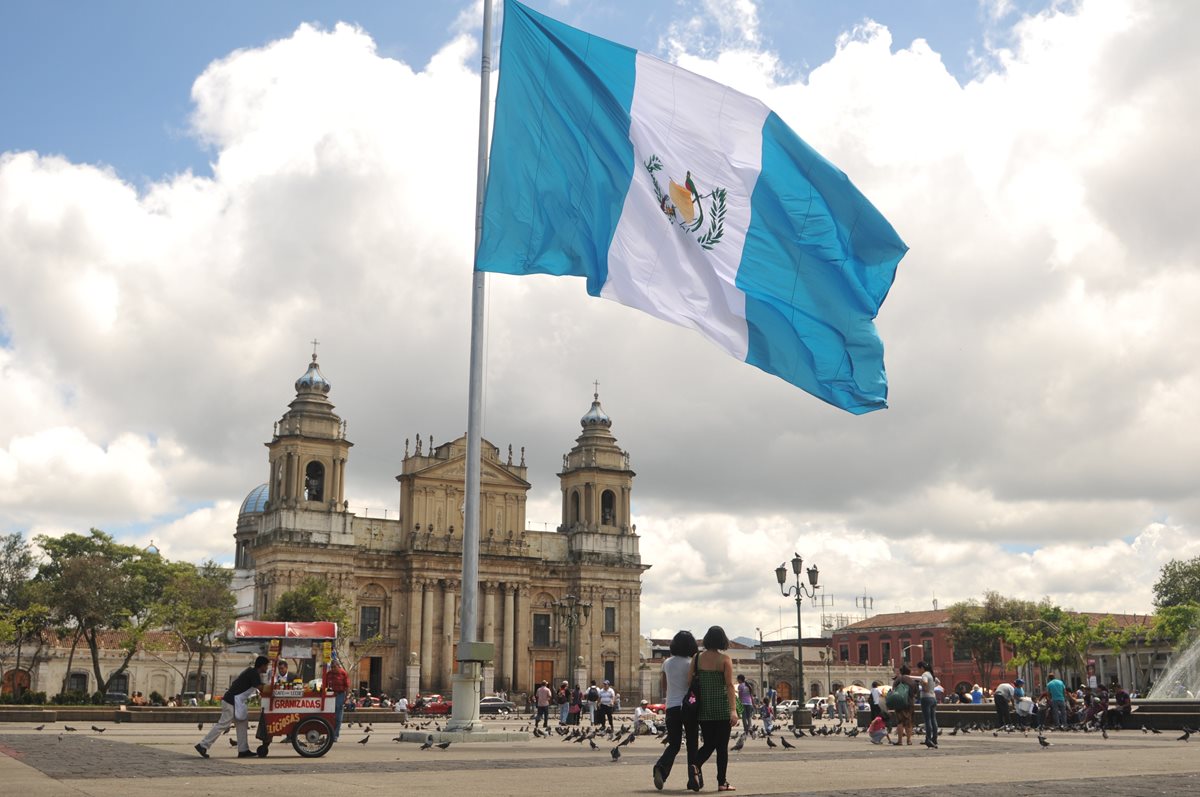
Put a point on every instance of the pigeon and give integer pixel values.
(770, 743)
(627, 740)
(783, 741)
(38, 728)
(1104, 732)
(1042, 741)
(442, 745)
(593, 744)
(616, 754)
(741, 742)
(397, 738)
(98, 729)
(428, 743)
(1186, 734)
(1155, 730)
(368, 730)
(799, 732)
(199, 726)
(68, 728)
(233, 742)
(364, 740)
(852, 734)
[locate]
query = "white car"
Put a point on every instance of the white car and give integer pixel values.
(785, 708)
(819, 704)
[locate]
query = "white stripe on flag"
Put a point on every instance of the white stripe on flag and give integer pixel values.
(694, 125)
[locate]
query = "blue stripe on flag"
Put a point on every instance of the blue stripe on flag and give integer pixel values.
(818, 262)
(561, 158)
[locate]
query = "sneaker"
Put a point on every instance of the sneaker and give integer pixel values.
(658, 778)
(200, 749)
(247, 754)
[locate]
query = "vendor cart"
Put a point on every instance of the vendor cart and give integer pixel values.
(303, 711)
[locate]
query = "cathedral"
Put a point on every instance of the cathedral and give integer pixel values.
(557, 605)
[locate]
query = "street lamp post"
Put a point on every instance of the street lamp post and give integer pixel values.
(801, 592)
(762, 675)
(571, 612)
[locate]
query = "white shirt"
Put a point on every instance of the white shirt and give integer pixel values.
(877, 696)
(928, 682)
(607, 696)
(678, 670)
(402, 704)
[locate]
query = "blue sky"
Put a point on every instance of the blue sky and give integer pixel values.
(110, 82)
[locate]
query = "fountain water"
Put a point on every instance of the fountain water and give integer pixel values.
(1182, 680)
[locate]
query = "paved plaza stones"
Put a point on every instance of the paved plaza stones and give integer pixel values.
(133, 761)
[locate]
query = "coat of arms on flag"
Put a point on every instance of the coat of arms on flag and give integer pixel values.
(684, 205)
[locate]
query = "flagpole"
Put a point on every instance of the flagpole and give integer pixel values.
(471, 655)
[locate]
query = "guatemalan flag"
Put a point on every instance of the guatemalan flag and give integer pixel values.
(690, 201)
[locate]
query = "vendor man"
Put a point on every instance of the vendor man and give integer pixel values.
(234, 710)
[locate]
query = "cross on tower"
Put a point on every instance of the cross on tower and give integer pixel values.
(596, 384)
(315, 343)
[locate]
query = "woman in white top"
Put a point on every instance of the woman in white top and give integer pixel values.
(674, 681)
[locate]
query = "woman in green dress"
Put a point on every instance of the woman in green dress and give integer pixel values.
(718, 708)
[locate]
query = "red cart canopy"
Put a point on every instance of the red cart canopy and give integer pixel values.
(266, 629)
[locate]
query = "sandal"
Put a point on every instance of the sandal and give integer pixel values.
(725, 787)
(696, 780)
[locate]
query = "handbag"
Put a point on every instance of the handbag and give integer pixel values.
(691, 699)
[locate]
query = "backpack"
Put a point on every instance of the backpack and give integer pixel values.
(899, 697)
(593, 694)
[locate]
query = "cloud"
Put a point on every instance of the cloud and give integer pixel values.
(1040, 339)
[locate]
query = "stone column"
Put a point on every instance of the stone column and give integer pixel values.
(489, 612)
(522, 669)
(331, 486)
(412, 641)
(412, 679)
(427, 637)
(447, 667)
(506, 651)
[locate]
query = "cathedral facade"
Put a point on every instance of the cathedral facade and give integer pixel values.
(557, 605)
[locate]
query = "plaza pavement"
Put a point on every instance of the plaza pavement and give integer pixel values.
(145, 760)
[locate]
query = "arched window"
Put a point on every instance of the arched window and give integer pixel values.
(314, 482)
(574, 506)
(119, 684)
(608, 508)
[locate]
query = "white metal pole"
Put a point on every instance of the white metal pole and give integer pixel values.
(466, 704)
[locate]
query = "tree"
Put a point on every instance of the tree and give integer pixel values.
(197, 606)
(24, 616)
(978, 628)
(1178, 583)
(314, 599)
(99, 585)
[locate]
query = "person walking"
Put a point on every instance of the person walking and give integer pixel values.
(718, 708)
(337, 680)
(674, 681)
(234, 710)
(563, 699)
(928, 704)
(542, 699)
(1058, 700)
(900, 704)
(746, 701)
(593, 700)
(608, 701)
(877, 709)
(839, 699)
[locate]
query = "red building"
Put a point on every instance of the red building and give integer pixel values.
(910, 637)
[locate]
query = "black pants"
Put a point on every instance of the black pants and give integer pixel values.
(605, 714)
(1002, 717)
(543, 715)
(716, 737)
(677, 729)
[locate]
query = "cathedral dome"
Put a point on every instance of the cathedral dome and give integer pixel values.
(313, 379)
(256, 501)
(595, 416)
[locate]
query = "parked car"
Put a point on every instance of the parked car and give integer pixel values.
(116, 697)
(784, 708)
(658, 708)
(495, 705)
(429, 706)
(819, 706)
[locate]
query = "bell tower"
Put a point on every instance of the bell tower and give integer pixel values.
(309, 449)
(596, 479)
